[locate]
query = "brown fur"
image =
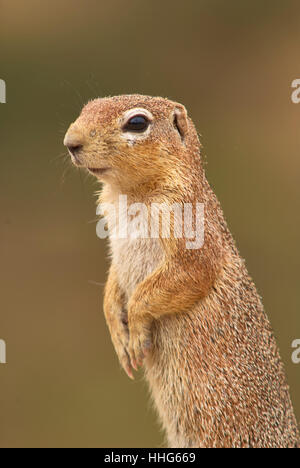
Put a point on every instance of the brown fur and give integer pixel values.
(195, 320)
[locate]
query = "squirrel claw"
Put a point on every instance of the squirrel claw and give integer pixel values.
(128, 371)
(134, 364)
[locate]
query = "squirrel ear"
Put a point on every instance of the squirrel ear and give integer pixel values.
(180, 120)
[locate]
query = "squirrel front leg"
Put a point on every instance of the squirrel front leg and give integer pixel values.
(174, 287)
(116, 318)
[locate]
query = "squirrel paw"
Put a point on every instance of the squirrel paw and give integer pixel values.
(140, 342)
(120, 338)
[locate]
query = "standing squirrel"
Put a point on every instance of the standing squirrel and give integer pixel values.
(190, 316)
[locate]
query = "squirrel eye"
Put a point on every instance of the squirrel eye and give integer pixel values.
(138, 123)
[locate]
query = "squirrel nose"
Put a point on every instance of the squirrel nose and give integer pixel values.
(74, 149)
(73, 141)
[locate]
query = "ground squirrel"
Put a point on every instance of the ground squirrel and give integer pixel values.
(190, 316)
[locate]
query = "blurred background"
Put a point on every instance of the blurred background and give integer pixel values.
(232, 64)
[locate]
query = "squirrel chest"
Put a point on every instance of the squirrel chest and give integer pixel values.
(134, 260)
(133, 256)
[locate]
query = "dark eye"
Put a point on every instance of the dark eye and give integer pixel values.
(138, 123)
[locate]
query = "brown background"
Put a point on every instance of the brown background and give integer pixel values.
(231, 63)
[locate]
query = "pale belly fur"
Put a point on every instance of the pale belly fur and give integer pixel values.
(134, 260)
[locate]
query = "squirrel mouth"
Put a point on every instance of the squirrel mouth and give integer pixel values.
(97, 171)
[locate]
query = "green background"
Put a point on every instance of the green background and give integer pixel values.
(231, 63)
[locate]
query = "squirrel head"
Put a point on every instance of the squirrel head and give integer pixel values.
(134, 140)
